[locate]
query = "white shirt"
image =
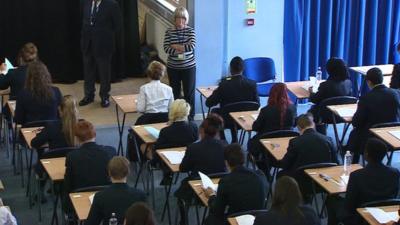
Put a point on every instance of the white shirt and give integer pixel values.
(6, 218)
(154, 97)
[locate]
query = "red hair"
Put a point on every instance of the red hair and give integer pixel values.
(278, 97)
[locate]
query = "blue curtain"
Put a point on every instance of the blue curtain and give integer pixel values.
(362, 32)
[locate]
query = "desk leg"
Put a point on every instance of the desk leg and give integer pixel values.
(338, 142)
(28, 182)
(142, 163)
(119, 131)
(54, 219)
(166, 204)
(202, 106)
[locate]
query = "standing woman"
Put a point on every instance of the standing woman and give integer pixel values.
(179, 44)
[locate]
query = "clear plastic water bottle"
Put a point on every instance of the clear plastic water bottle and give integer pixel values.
(113, 220)
(348, 158)
(318, 74)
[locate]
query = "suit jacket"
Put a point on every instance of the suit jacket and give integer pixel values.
(30, 109)
(101, 35)
(310, 147)
(15, 80)
(233, 89)
(241, 190)
(116, 198)
(274, 216)
(331, 88)
(178, 134)
(374, 182)
(87, 166)
(51, 134)
(206, 156)
(269, 119)
(370, 111)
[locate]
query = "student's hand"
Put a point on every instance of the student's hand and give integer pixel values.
(3, 67)
(178, 48)
(209, 192)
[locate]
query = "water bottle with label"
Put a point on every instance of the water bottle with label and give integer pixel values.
(113, 220)
(348, 158)
(318, 74)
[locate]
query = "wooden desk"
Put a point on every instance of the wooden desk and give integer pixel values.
(205, 92)
(370, 219)
(81, 203)
(383, 133)
(277, 147)
(334, 172)
(146, 137)
(232, 221)
(336, 108)
(29, 134)
(55, 168)
(297, 89)
(173, 167)
(11, 105)
(198, 189)
(386, 69)
(245, 119)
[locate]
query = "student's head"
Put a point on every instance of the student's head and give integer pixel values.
(118, 169)
(84, 131)
(374, 77)
(156, 70)
(236, 65)
(69, 116)
(38, 81)
(28, 53)
(181, 17)
(375, 150)
(211, 126)
(337, 69)
(139, 214)
(179, 110)
(304, 122)
(278, 97)
(234, 156)
(287, 197)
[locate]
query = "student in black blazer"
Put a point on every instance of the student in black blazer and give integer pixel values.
(139, 214)
(373, 183)
(308, 148)
(241, 190)
(337, 84)
(287, 206)
(206, 156)
(39, 100)
(117, 197)
(380, 105)
(395, 79)
(235, 88)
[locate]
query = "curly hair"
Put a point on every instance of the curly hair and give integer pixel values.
(38, 81)
(27, 54)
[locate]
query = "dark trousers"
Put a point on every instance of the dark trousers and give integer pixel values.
(93, 65)
(186, 78)
(356, 143)
(228, 124)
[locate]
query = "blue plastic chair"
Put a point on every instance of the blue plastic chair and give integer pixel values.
(261, 70)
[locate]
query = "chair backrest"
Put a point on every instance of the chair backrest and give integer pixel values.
(57, 152)
(386, 202)
(326, 114)
(259, 69)
(249, 212)
(91, 188)
(213, 175)
(38, 123)
(382, 125)
(279, 133)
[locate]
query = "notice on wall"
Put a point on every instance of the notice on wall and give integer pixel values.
(250, 6)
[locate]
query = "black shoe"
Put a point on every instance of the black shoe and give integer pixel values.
(86, 101)
(105, 103)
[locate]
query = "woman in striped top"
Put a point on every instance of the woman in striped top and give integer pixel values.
(179, 44)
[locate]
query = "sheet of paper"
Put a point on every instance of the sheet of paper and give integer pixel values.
(346, 112)
(314, 87)
(395, 133)
(344, 178)
(245, 219)
(174, 157)
(91, 198)
(382, 216)
(9, 66)
(207, 182)
(152, 131)
(254, 116)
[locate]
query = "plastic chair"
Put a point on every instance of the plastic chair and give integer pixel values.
(250, 212)
(378, 203)
(391, 150)
(261, 70)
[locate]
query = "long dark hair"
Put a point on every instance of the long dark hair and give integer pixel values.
(278, 97)
(337, 69)
(139, 214)
(38, 81)
(287, 198)
(395, 80)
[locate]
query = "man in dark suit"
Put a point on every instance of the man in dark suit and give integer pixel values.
(101, 20)
(241, 190)
(308, 148)
(117, 197)
(231, 89)
(380, 105)
(373, 183)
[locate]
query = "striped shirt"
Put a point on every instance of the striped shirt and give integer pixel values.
(185, 37)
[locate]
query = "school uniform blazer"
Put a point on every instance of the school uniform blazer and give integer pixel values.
(273, 216)
(269, 119)
(241, 190)
(87, 166)
(116, 198)
(15, 80)
(178, 134)
(51, 134)
(331, 88)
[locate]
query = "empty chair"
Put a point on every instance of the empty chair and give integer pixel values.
(261, 70)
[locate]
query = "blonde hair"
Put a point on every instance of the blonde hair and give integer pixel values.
(69, 117)
(155, 70)
(181, 12)
(179, 110)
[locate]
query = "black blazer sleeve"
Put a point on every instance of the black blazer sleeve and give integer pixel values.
(116, 17)
(95, 214)
(320, 95)
(5, 81)
(67, 175)
(215, 98)
(256, 97)
(352, 197)
(187, 161)
(259, 122)
(290, 156)
(218, 203)
(360, 117)
(162, 140)
(20, 110)
(333, 151)
(41, 138)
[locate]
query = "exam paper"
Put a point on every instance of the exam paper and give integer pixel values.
(245, 219)
(207, 182)
(91, 198)
(346, 112)
(395, 133)
(152, 131)
(382, 216)
(174, 157)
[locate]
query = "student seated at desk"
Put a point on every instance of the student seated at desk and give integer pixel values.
(395, 79)
(139, 214)
(206, 156)
(241, 190)
(117, 197)
(337, 84)
(3, 66)
(287, 206)
(374, 182)
(380, 105)
(154, 97)
(231, 89)
(39, 100)
(308, 148)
